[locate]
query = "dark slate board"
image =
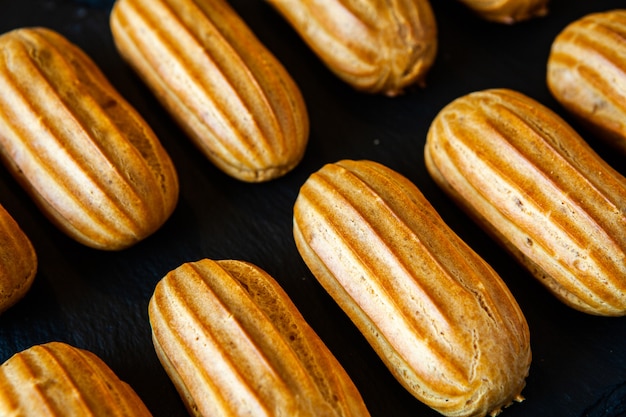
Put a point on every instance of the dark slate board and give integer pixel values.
(98, 300)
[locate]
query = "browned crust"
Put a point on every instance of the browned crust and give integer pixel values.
(56, 379)
(85, 156)
(586, 73)
(440, 318)
(532, 182)
(375, 46)
(18, 261)
(508, 11)
(232, 340)
(227, 91)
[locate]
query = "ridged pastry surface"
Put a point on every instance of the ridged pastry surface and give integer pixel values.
(532, 181)
(508, 11)
(226, 90)
(234, 344)
(59, 380)
(18, 261)
(437, 314)
(85, 156)
(587, 73)
(376, 46)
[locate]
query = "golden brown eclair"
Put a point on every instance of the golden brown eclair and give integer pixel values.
(18, 261)
(508, 11)
(59, 380)
(531, 181)
(234, 344)
(225, 89)
(376, 46)
(587, 73)
(85, 156)
(437, 314)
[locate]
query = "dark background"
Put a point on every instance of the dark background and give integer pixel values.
(98, 300)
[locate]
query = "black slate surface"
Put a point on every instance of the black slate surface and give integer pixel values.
(98, 300)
